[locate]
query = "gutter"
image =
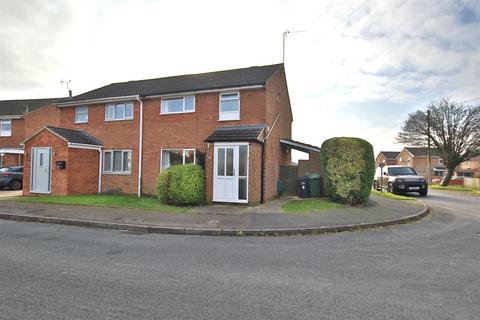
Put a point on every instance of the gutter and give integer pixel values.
(140, 147)
(99, 100)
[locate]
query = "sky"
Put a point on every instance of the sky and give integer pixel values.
(358, 68)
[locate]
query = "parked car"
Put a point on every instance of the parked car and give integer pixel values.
(11, 177)
(400, 179)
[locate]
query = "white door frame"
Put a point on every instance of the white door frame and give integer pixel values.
(236, 165)
(50, 170)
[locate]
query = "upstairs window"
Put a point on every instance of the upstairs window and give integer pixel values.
(5, 128)
(119, 111)
(171, 157)
(81, 114)
(178, 105)
(229, 106)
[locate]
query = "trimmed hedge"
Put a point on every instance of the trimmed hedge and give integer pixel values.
(181, 185)
(349, 167)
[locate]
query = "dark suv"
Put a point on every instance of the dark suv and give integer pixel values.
(400, 179)
(11, 177)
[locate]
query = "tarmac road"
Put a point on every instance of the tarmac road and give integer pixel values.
(429, 269)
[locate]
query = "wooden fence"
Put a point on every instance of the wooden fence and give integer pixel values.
(472, 183)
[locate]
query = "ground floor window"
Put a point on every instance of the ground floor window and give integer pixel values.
(117, 161)
(171, 157)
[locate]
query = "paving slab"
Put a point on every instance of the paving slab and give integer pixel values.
(221, 219)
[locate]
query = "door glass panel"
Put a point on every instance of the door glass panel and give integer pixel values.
(242, 188)
(221, 162)
(41, 160)
(230, 172)
(242, 170)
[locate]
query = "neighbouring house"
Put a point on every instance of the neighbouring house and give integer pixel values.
(418, 159)
(17, 119)
(118, 138)
(387, 157)
(469, 168)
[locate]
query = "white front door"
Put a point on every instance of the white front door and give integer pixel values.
(40, 170)
(230, 178)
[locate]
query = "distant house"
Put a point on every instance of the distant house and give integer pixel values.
(387, 157)
(469, 168)
(418, 159)
(18, 119)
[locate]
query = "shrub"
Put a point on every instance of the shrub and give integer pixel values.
(349, 167)
(182, 185)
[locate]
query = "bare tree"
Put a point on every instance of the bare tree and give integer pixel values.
(454, 132)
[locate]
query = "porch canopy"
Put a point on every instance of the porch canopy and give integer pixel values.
(242, 133)
(300, 146)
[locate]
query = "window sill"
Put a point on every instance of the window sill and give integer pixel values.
(81, 122)
(114, 120)
(117, 173)
(180, 112)
(229, 119)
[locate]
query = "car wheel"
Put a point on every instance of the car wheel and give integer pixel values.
(16, 185)
(423, 193)
(390, 188)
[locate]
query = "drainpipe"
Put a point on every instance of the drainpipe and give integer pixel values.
(140, 148)
(100, 164)
(262, 175)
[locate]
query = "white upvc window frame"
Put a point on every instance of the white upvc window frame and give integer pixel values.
(2, 121)
(81, 113)
(183, 155)
(114, 105)
(163, 105)
(111, 171)
(228, 115)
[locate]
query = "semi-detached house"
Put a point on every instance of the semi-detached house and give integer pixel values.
(118, 138)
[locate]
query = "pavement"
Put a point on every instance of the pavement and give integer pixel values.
(425, 270)
(267, 219)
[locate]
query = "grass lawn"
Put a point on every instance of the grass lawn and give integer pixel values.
(455, 188)
(391, 195)
(310, 205)
(115, 201)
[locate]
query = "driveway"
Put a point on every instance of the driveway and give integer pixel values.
(10, 193)
(423, 270)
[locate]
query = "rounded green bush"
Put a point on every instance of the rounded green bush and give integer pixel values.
(182, 185)
(349, 167)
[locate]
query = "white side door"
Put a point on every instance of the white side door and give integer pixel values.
(225, 181)
(40, 170)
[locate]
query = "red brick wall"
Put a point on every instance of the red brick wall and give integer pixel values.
(82, 169)
(189, 130)
(17, 137)
(37, 119)
(114, 135)
(278, 103)
(312, 165)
